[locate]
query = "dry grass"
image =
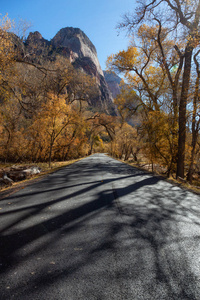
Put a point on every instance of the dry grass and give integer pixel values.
(54, 165)
(44, 166)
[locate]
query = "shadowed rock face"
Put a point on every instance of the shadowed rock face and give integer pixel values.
(113, 81)
(77, 47)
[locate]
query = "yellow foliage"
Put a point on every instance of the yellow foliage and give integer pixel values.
(126, 60)
(161, 138)
(6, 45)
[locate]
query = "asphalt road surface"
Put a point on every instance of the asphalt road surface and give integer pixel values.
(100, 229)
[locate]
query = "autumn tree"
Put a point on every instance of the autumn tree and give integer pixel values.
(58, 110)
(54, 117)
(44, 102)
(195, 116)
(11, 122)
(182, 18)
(10, 111)
(144, 69)
(128, 104)
(6, 55)
(126, 142)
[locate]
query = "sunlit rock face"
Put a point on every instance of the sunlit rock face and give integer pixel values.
(77, 41)
(83, 55)
(74, 44)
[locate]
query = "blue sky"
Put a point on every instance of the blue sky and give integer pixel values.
(97, 18)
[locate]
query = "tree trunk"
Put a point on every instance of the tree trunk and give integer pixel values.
(194, 142)
(69, 144)
(191, 168)
(195, 123)
(182, 112)
(50, 154)
(91, 147)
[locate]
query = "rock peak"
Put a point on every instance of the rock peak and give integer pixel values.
(70, 33)
(78, 43)
(35, 35)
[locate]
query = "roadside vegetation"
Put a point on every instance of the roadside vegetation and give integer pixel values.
(162, 67)
(45, 112)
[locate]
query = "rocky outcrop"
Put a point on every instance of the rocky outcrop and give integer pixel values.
(37, 48)
(77, 47)
(36, 38)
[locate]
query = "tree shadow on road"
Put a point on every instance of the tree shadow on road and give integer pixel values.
(133, 237)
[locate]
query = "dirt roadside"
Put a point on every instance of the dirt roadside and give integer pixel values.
(24, 183)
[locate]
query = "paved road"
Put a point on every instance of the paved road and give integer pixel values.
(100, 229)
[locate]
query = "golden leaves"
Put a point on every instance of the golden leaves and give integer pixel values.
(125, 60)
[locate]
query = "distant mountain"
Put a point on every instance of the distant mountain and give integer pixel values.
(113, 81)
(76, 46)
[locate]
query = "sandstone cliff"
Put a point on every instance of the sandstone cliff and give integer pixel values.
(77, 47)
(113, 82)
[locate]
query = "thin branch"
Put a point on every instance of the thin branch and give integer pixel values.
(162, 51)
(41, 69)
